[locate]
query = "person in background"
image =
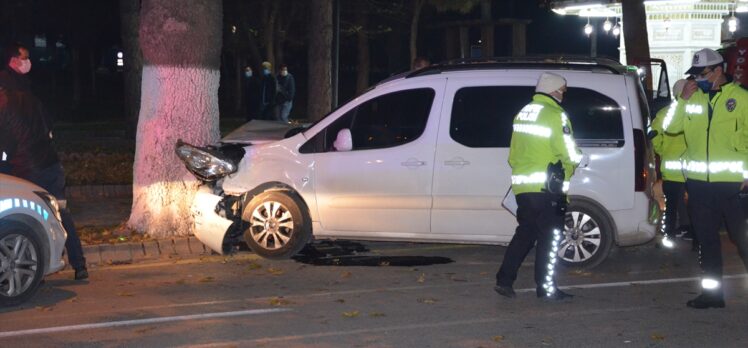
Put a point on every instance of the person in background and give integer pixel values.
(26, 145)
(286, 93)
(420, 62)
(251, 94)
(268, 90)
(543, 156)
(712, 114)
(670, 148)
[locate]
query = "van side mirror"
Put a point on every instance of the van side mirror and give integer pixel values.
(344, 140)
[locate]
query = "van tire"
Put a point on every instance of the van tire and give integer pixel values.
(278, 224)
(587, 237)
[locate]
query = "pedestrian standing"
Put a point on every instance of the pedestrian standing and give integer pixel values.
(543, 156)
(251, 94)
(26, 143)
(286, 93)
(670, 148)
(713, 116)
(268, 89)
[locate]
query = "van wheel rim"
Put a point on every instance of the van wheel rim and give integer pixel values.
(18, 265)
(582, 238)
(271, 225)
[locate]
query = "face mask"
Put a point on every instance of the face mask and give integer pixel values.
(266, 71)
(248, 73)
(704, 84)
(284, 72)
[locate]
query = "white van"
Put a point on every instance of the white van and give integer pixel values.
(423, 157)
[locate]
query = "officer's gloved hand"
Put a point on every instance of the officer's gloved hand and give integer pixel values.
(652, 134)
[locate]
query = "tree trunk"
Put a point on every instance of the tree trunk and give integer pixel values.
(487, 30)
(181, 42)
(634, 25)
(635, 36)
(133, 70)
(268, 33)
(363, 56)
(320, 58)
(417, 7)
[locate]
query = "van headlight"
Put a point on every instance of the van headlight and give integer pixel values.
(52, 203)
(205, 163)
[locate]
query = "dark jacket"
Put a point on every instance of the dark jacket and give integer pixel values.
(268, 88)
(11, 80)
(24, 136)
(286, 88)
(252, 96)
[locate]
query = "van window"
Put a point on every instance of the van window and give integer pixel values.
(386, 121)
(483, 116)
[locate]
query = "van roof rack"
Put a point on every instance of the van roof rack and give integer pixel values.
(581, 63)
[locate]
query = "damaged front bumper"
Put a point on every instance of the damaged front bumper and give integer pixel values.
(210, 227)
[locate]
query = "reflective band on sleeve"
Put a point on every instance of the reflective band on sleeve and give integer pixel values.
(532, 129)
(673, 165)
(669, 116)
(694, 109)
(565, 188)
(709, 284)
(529, 113)
(571, 148)
(534, 178)
(5, 156)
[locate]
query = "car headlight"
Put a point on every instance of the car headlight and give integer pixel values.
(204, 163)
(52, 203)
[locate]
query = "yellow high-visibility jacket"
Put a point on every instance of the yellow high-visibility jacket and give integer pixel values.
(541, 135)
(670, 147)
(716, 134)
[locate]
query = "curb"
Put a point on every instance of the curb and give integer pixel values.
(83, 192)
(128, 253)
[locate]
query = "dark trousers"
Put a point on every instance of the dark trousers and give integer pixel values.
(711, 203)
(538, 215)
(675, 210)
(52, 179)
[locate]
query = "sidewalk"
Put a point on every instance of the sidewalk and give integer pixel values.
(102, 212)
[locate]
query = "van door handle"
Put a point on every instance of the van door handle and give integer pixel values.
(412, 163)
(457, 162)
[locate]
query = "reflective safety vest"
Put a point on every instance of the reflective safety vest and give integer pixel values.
(670, 147)
(716, 134)
(541, 135)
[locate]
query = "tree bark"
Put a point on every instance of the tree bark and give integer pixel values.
(181, 42)
(487, 30)
(634, 25)
(417, 7)
(320, 58)
(268, 33)
(133, 58)
(635, 37)
(363, 56)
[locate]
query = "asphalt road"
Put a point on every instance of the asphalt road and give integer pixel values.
(381, 295)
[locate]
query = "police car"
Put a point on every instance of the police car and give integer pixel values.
(422, 157)
(32, 239)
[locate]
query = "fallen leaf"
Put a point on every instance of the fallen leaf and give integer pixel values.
(279, 301)
(74, 299)
(421, 278)
(457, 279)
(384, 263)
(275, 271)
(145, 329)
(657, 337)
(376, 314)
(125, 294)
(351, 314)
(206, 279)
(181, 282)
(44, 308)
(345, 274)
(498, 338)
(253, 266)
(340, 300)
(427, 300)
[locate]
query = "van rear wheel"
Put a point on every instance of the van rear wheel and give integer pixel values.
(588, 236)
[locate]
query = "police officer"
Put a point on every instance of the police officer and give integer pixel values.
(713, 116)
(671, 147)
(543, 156)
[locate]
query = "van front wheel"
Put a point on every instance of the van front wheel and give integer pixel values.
(588, 236)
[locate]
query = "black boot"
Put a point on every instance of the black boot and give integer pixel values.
(81, 273)
(506, 291)
(555, 296)
(707, 300)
